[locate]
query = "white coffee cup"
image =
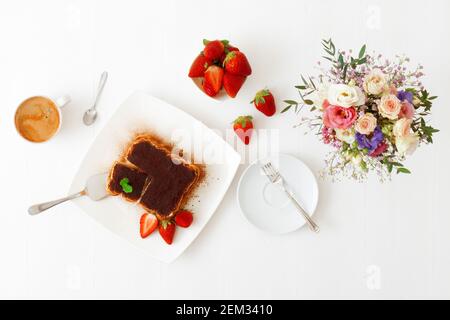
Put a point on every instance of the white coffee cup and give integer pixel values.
(38, 119)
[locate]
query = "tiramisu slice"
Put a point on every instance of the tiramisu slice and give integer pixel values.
(171, 178)
(126, 181)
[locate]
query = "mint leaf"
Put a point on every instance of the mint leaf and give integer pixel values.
(126, 187)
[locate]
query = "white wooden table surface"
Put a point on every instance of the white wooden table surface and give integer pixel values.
(377, 241)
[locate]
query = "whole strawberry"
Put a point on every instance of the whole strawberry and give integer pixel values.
(265, 102)
(214, 49)
(232, 84)
(199, 66)
(167, 231)
(243, 127)
(236, 63)
(184, 218)
(228, 48)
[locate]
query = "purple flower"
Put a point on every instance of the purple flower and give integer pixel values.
(370, 142)
(405, 95)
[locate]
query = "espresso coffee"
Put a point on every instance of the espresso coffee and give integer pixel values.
(37, 119)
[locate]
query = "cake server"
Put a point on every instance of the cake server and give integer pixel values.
(276, 178)
(95, 189)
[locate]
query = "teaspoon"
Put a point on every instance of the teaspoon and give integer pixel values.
(90, 115)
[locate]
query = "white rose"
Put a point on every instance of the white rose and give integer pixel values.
(375, 82)
(366, 124)
(390, 106)
(345, 96)
(407, 144)
(321, 95)
(347, 135)
(402, 127)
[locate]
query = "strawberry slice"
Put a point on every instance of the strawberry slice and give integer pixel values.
(213, 80)
(148, 223)
(198, 67)
(167, 231)
(232, 83)
(184, 218)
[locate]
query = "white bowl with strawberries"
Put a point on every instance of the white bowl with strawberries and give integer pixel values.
(220, 66)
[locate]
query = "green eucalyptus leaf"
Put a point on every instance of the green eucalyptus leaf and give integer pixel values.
(286, 109)
(389, 167)
(344, 77)
(397, 164)
(304, 81)
(341, 61)
(403, 170)
(362, 52)
(312, 83)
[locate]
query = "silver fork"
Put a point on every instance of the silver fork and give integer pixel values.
(276, 178)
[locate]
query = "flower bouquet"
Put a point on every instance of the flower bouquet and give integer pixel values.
(371, 110)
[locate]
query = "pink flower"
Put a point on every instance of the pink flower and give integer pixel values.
(325, 104)
(327, 135)
(389, 106)
(392, 89)
(407, 110)
(336, 117)
(366, 124)
(382, 147)
(402, 128)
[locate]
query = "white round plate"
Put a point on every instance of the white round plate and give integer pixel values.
(266, 206)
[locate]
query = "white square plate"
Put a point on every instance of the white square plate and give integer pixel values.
(141, 112)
